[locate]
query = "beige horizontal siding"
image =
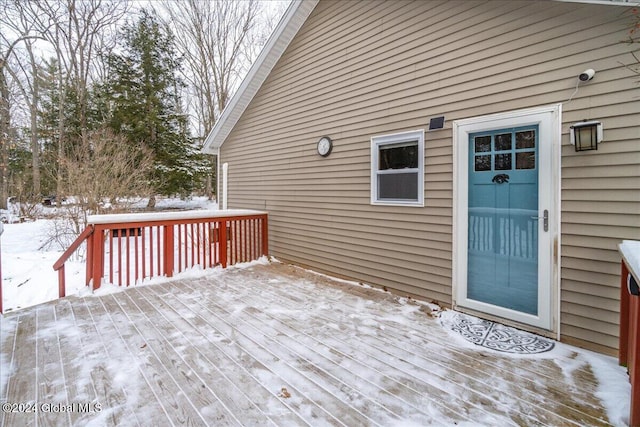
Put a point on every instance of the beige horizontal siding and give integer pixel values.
(357, 69)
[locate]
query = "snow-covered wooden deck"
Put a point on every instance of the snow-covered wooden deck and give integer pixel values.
(271, 344)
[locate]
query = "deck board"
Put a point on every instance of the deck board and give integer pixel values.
(22, 384)
(179, 356)
(156, 370)
(78, 386)
(51, 385)
(97, 368)
(472, 371)
(196, 352)
(345, 383)
(260, 363)
(272, 345)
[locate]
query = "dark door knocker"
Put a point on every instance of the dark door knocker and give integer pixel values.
(501, 178)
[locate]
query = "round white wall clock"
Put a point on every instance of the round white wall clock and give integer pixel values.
(325, 145)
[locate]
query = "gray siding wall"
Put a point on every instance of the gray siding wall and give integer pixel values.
(359, 69)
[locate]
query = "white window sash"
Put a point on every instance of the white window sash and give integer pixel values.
(397, 140)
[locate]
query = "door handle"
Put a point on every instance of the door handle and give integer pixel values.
(500, 178)
(545, 218)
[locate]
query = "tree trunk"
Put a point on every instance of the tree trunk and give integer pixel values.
(4, 138)
(35, 146)
(209, 187)
(33, 110)
(61, 131)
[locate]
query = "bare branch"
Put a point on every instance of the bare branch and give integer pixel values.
(218, 40)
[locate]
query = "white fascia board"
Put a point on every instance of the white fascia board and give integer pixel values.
(288, 27)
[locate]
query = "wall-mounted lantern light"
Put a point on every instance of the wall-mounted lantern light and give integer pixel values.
(586, 135)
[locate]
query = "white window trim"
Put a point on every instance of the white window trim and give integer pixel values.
(380, 140)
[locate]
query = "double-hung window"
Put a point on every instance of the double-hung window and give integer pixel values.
(397, 169)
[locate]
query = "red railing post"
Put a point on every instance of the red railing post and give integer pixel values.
(168, 250)
(634, 362)
(89, 263)
(623, 352)
(222, 227)
(265, 236)
(61, 283)
(59, 264)
(629, 345)
(98, 257)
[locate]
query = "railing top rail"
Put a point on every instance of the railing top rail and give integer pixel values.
(630, 251)
(81, 238)
(169, 216)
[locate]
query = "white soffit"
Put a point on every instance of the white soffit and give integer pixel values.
(291, 22)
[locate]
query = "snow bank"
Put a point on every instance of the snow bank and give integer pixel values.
(28, 277)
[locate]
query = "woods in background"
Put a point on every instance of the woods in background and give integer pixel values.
(80, 80)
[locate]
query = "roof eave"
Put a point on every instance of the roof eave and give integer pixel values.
(287, 28)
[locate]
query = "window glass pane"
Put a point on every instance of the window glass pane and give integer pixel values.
(503, 162)
(526, 160)
(398, 186)
(503, 142)
(526, 139)
(482, 143)
(398, 156)
(483, 163)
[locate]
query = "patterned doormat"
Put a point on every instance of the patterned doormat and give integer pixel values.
(495, 336)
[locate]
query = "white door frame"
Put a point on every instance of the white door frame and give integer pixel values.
(548, 119)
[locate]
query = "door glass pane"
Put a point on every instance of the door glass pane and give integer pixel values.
(482, 143)
(526, 139)
(503, 162)
(526, 160)
(503, 142)
(483, 163)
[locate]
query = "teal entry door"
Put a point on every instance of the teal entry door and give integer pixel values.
(503, 218)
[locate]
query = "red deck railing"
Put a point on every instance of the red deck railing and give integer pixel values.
(126, 249)
(629, 349)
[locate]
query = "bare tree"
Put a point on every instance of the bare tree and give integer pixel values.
(633, 38)
(16, 31)
(104, 175)
(214, 38)
(77, 31)
(27, 68)
(80, 30)
(218, 40)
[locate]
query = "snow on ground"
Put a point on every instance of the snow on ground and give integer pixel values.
(614, 389)
(27, 259)
(28, 277)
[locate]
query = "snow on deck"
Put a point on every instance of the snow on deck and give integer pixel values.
(272, 344)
